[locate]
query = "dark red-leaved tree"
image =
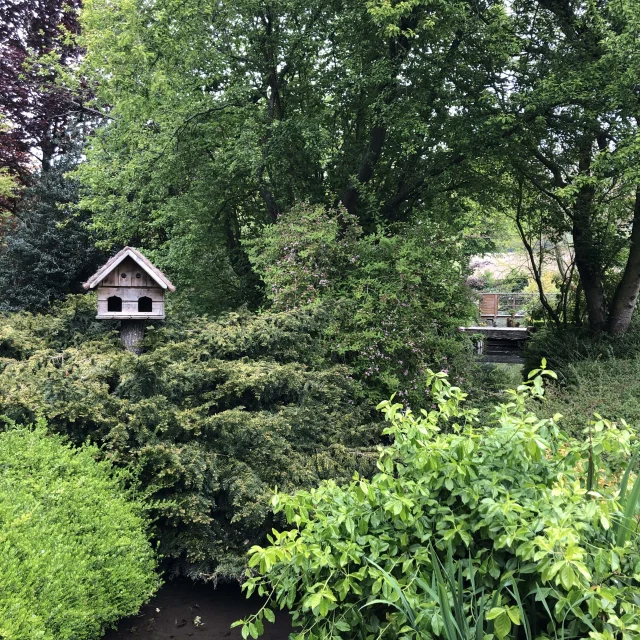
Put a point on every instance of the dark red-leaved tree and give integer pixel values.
(36, 109)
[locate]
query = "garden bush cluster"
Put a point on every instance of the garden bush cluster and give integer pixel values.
(209, 419)
(74, 553)
(566, 346)
(538, 538)
(606, 387)
(396, 299)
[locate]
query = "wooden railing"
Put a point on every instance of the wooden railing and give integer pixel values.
(496, 308)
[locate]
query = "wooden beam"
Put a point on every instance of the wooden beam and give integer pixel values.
(499, 333)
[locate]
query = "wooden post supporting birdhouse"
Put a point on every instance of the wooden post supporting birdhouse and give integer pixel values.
(132, 290)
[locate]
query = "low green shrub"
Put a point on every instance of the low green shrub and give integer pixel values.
(537, 537)
(488, 383)
(606, 387)
(74, 555)
(566, 345)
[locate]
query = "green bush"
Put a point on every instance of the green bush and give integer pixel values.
(397, 299)
(565, 345)
(537, 537)
(606, 387)
(210, 417)
(488, 383)
(74, 556)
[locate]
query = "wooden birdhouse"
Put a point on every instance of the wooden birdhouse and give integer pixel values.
(130, 288)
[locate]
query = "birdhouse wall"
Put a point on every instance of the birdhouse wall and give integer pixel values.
(130, 297)
(128, 274)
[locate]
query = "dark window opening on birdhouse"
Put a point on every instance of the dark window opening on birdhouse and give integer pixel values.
(138, 276)
(114, 304)
(123, 276)
(145, 304)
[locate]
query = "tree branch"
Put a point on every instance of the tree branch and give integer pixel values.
(553, 167)
(532, 260)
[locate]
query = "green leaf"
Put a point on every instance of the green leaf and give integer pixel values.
(269, 615)
(514, 614)
(502, 625)
(495, 613)
(567, 576)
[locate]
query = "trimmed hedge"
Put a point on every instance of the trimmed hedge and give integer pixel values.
(74, 556)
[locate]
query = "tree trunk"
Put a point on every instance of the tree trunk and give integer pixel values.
(626, 296)
(131, 335)
(592, 288)
(587, 258)
(376, 142)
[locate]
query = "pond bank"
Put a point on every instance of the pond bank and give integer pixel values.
(183, 610)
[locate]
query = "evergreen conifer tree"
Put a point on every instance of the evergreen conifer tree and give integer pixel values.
(48, 252)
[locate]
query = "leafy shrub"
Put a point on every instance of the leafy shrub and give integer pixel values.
(566, 345)
(74, 556)
(305, 253)
(210, 417)
(488, 383)
(527, 518)
(396, 300)
(607, 387)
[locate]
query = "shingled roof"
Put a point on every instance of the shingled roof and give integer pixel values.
(136, 256)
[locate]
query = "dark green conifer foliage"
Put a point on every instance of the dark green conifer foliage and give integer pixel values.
(211, 418)
(48, 253)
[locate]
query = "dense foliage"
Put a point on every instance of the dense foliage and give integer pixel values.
(397, 299)
(211, 417)
(564, 346)
(47, 252)
(575, 107)
(36, 40)
(74, 555)
(606, 387)
(225, 115)
(560, 123)
(531, 517)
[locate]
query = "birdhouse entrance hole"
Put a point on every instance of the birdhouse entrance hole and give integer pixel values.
(114, 304)
(145, 304)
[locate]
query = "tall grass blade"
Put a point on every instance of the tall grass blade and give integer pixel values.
(627, 473)
(480, 620)
(590, 472)
(452, 630)
(393, 583)
(624, 527)
(525, 622)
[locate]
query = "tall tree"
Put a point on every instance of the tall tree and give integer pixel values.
(47, 252)
(562, 118)
(574, 97)
(37, 38)
(226, 114)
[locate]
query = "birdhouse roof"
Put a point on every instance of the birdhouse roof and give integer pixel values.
(138, 258)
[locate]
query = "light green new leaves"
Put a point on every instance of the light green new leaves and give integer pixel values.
(74, 555)
(495, 522)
